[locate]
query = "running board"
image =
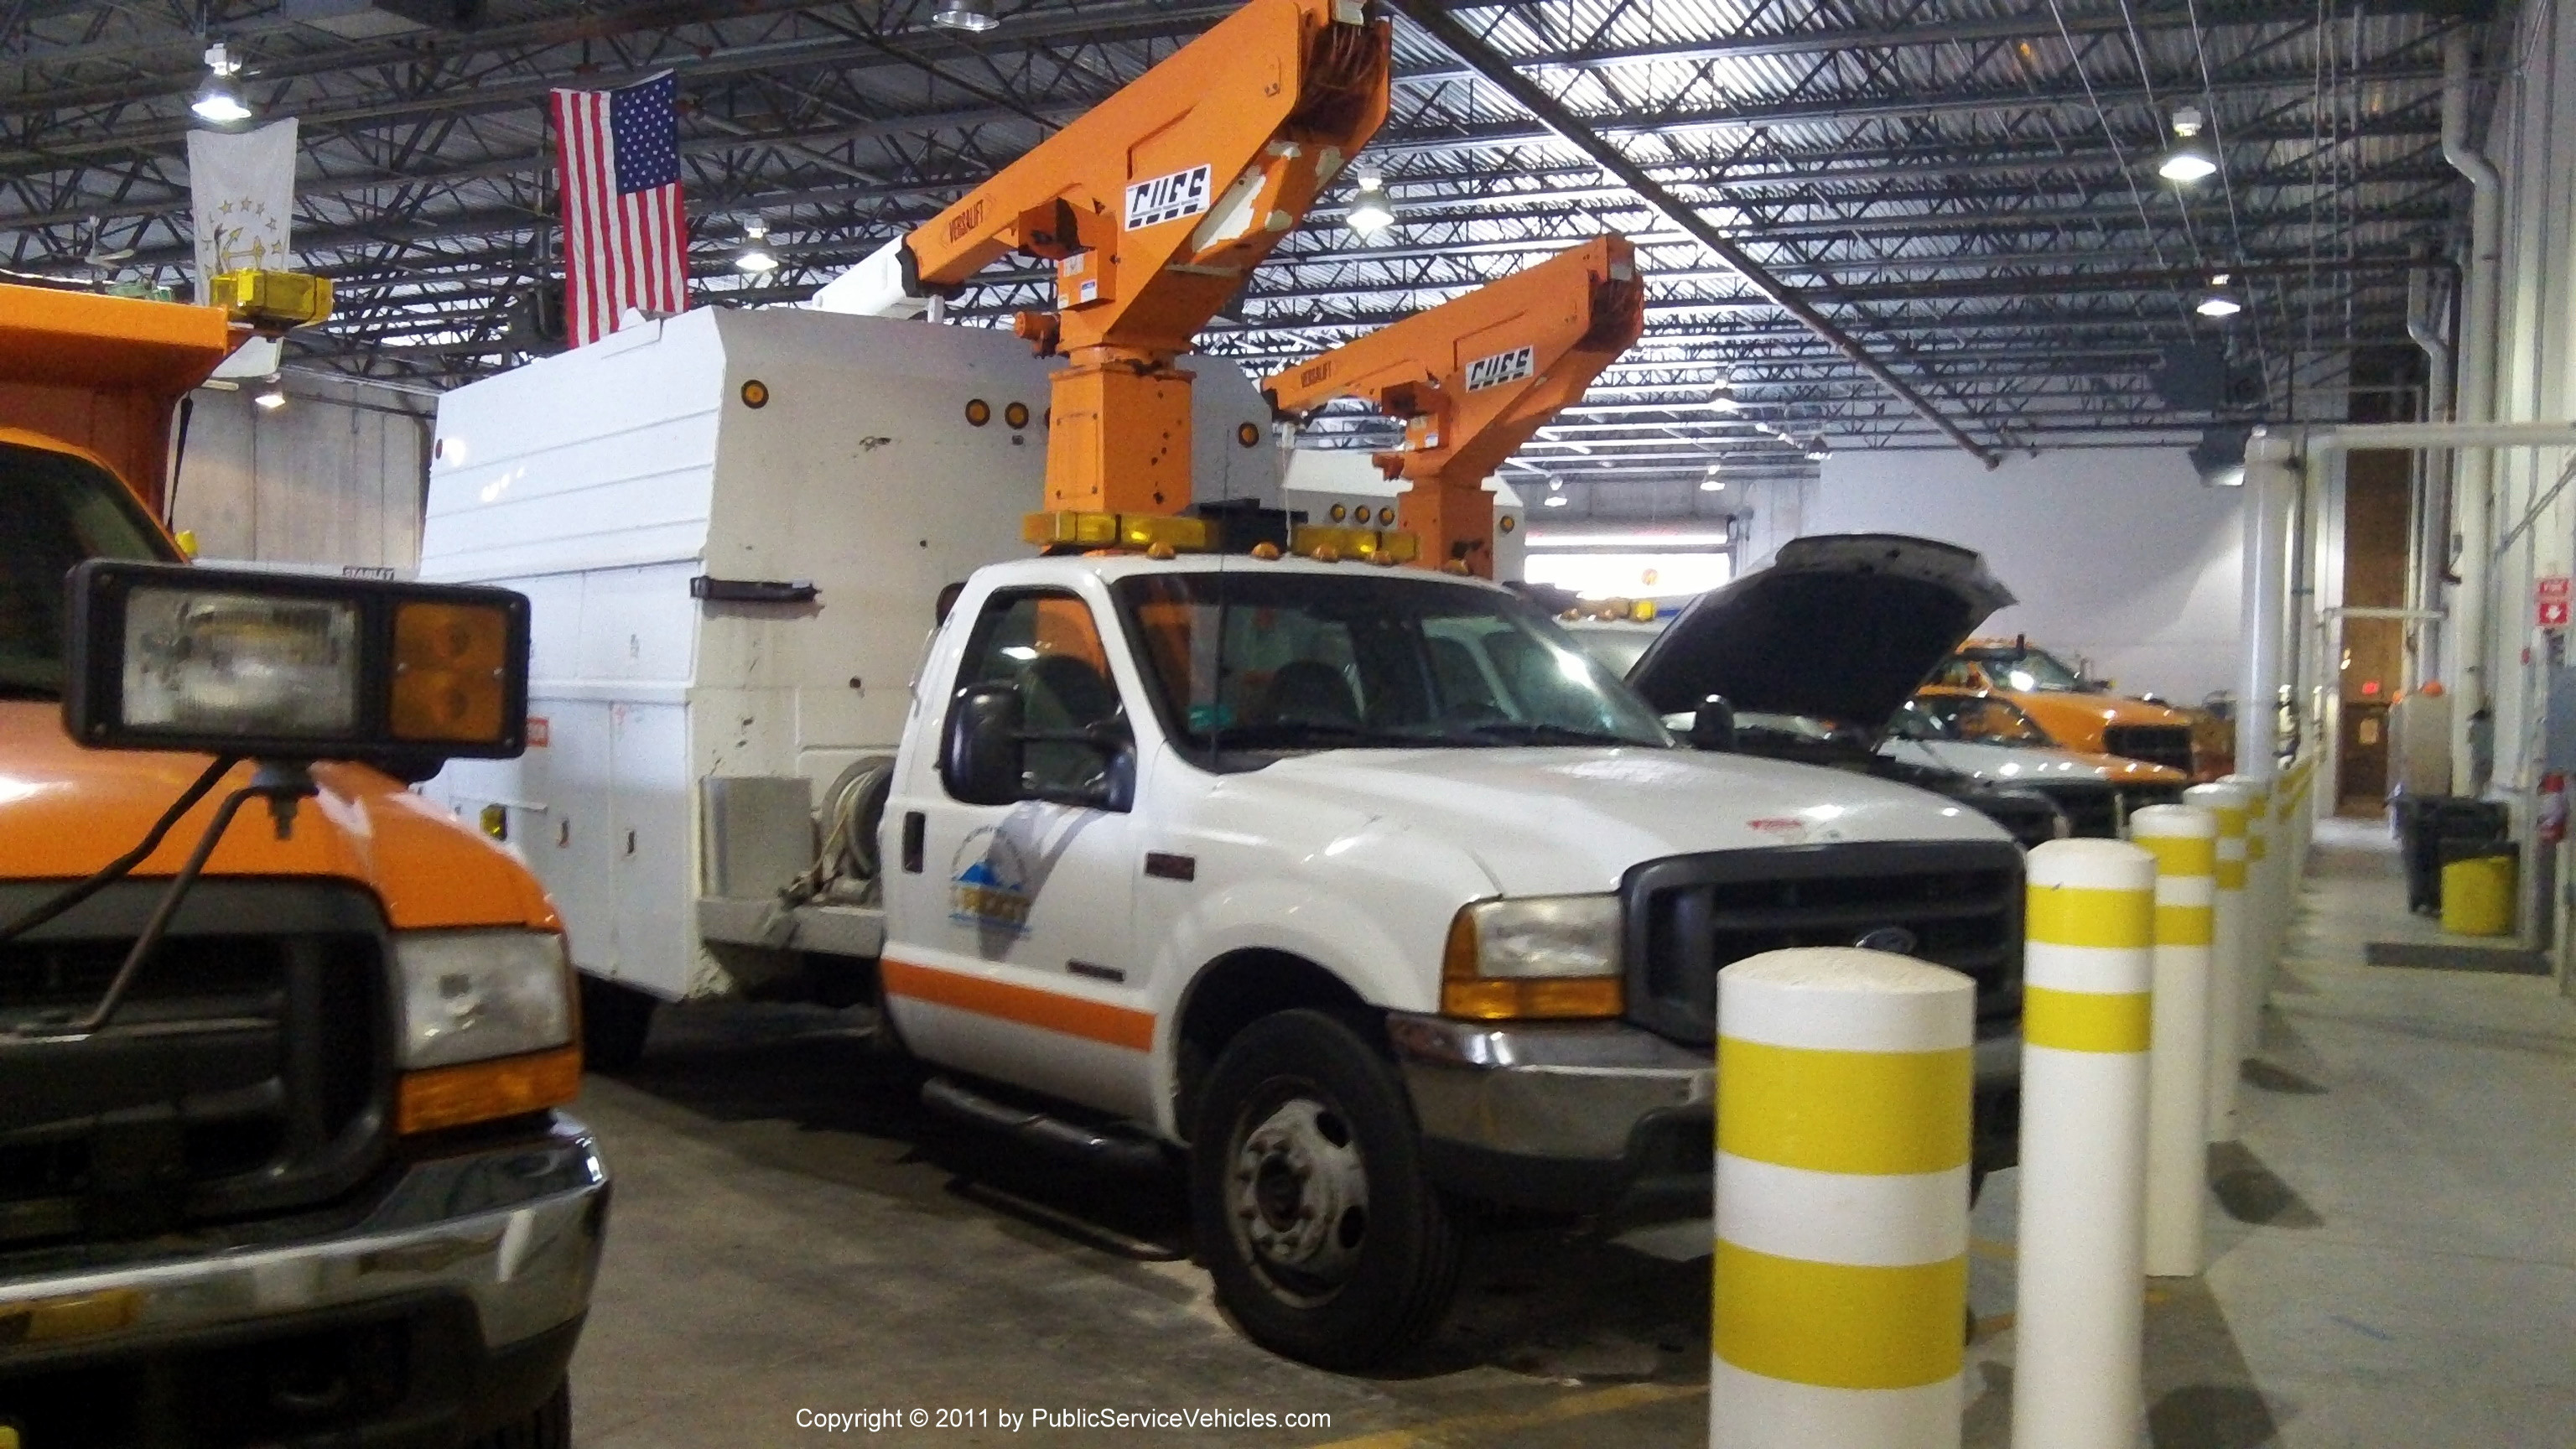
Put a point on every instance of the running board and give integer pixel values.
(1055, 1136)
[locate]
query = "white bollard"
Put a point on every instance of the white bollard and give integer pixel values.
(2184, 841)
(2227, 956)
(2262, 912)
(2086, 1024)
(1841, 1279)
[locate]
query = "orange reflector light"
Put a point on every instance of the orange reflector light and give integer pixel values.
(450, 668)
(485, 1091)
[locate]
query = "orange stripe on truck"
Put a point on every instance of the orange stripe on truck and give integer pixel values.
(1046, 1010)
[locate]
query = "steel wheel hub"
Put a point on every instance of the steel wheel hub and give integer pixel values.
(1299, 1196)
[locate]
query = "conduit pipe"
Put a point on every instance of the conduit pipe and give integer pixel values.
(2473, 506)
(2428, 540)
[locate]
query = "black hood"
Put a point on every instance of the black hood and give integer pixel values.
(1840, 627)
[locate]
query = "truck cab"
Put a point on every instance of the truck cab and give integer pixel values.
(1376, 893)
(292, 1169)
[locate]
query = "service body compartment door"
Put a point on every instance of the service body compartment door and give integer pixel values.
(1011, 950)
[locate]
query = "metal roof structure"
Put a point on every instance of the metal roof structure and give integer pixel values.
(1966, 190)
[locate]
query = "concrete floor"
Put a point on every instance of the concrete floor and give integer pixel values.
(2395, 1253)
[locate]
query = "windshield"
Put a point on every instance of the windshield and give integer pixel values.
(1617, 647)
(2028, 670)
(1969, 719)
(1252, 660)
(55, 510)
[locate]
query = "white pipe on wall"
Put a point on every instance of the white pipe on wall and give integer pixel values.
(2473, 509)
(2268, 490)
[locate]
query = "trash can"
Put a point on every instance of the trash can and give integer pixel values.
(2429, 825)
(2478, 892)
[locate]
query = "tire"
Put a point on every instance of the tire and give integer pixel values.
(1302, 1124)
(547, 1426)
(614, 1023)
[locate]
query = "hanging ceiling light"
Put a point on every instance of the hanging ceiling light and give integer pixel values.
(219, 100)
(1817, 452)
(1555, 493)
(1372, 210)
(756, 256)
(2220, 300)
(272, 393)
(974, 15)
(1712, 483)
(2189, 160)
(1721, 395)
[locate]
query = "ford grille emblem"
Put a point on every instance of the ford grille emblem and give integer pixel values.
(1895, 940)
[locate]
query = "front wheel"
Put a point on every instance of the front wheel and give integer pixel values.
(1308, 1198)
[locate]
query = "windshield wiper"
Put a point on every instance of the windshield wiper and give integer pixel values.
(1533, 732)
(1296, 735)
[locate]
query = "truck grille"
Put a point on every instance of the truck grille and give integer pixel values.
(246, 1074)
(2155, 744)
(2092, 809)
(1688, 916)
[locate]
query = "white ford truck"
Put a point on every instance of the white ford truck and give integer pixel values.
(1362, 887)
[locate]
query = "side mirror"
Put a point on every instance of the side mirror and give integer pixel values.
(979, 759)
(1713, 727)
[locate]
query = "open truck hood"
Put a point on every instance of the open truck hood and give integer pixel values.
(1840, 627)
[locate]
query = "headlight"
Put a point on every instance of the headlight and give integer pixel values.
(240, 663)
(1544, 956)
(469, 996)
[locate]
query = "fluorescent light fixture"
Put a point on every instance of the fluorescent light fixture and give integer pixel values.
(756, 256)
(1554, 500)
(2189, 160)
(971, 15)
(1372, 210)
(1628, 540)
(219, 100)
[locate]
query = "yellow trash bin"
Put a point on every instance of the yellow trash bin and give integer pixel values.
(2477, 896)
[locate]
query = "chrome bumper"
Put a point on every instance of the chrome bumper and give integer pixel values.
(1576, 1090)
(513, 1230)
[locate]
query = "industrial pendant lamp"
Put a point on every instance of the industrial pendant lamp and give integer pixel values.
(1372, 210)
(1722, 396)
(1712, 483)
(272, 393)
(2220, 300)
(756, 256)
(2189, 161)
(1555, 493)
(219, 100)
(973, 15)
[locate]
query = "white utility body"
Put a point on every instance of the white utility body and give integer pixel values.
(1363, 886)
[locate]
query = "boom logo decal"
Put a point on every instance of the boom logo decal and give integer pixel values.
(967, 223)
(1167, 198)
(988, 884)
(1501, 368)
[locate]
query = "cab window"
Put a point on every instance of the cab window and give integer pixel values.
(56, 509)
(1047, 648)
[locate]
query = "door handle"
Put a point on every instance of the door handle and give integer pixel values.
(914, 826)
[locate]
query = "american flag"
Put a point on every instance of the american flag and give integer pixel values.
(625, 240)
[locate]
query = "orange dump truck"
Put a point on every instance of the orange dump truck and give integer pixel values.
(281, 1042)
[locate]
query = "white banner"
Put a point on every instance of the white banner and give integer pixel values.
(243, 183)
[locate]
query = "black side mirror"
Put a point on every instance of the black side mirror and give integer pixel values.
(1713, 727)
(979, 759)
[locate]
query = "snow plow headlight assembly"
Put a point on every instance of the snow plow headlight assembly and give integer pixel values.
(1543, 956)
(245, 662)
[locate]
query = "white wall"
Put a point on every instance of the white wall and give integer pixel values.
(333, 477)
(2117, 554)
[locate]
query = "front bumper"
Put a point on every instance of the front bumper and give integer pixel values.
(448, 1308)
(1603, 1118)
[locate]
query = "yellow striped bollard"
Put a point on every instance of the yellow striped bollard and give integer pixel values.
(1841, 1280)
(2262, 910)
(2227, 985)
(2087, 1019)
(2184, 841)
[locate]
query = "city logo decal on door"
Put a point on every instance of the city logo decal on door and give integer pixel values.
(988, 884)
(1167, 198)
(1501, 368)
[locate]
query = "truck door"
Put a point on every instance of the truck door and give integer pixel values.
(1010, 948)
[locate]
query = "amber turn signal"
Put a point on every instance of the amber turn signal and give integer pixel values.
(487, 1091)
(451, 664)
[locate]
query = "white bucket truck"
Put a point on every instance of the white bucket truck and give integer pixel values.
(1361, 886)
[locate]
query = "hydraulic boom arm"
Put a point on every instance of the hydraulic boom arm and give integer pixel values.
(1154, 207)
(1473, 378)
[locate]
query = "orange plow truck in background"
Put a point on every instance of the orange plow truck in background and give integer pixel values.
(281, 1042)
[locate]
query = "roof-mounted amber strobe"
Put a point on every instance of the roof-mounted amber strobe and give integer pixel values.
(1315, 540)
(1143, 532)
(271, 301)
